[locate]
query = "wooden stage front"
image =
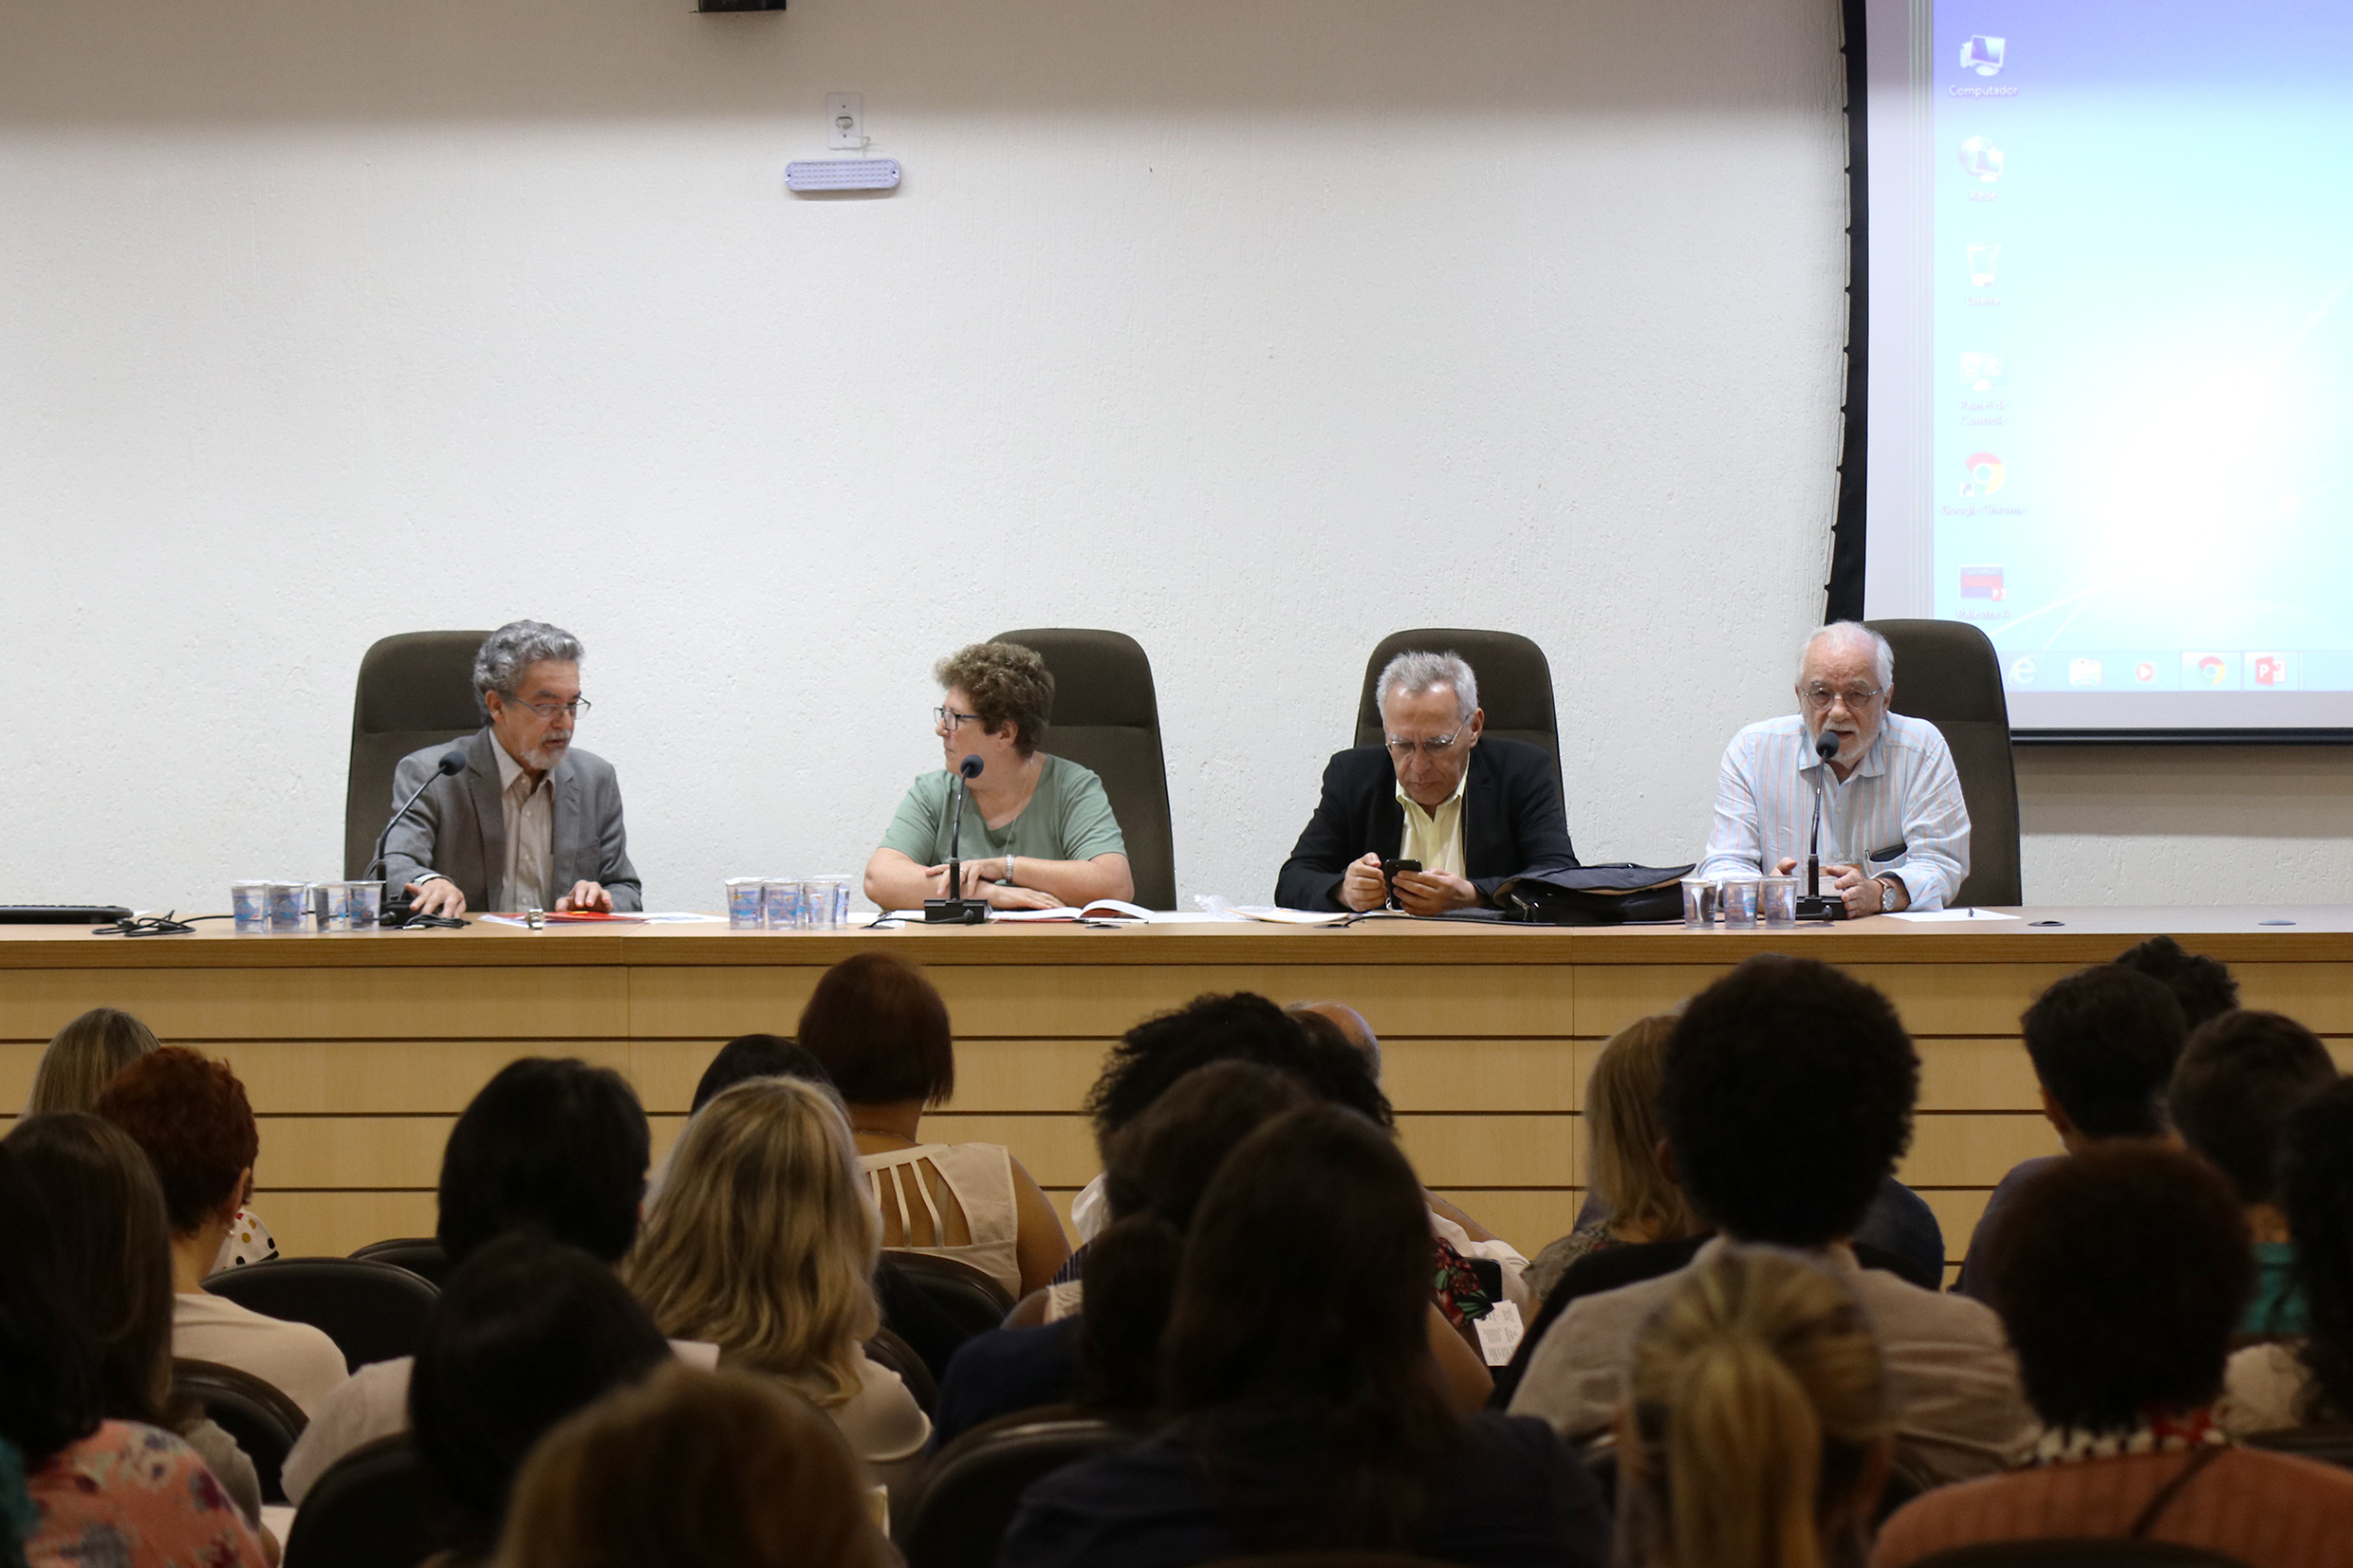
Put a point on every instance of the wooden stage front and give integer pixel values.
(359, 1049)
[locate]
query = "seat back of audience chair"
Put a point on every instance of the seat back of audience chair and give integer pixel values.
(414, 691)
(1330, 1560)
(374, 1312)
(2078, 1552)
(935, 1303)
(1515, 685)
(419, 1255)
(2329, 1445)
(960, 1516)
(372, 1508)
(263, 1420)
(887, 1349)
(1948, 673)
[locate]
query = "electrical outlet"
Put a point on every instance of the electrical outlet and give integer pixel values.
(845, 122)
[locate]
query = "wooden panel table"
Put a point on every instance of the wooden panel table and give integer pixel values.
(359, 1049)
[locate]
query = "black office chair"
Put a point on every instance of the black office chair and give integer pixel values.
(263, 1418)
(2078, 1552)
(374, 1312)
(935, 1303)
(415, 690)
(2329, 1445)
(1515, 684)
(372, 1508)
(1948, 673)
(1330, 1560)
(419, 1255)
(958, 1517)
(887, 1349)
(1107, 718)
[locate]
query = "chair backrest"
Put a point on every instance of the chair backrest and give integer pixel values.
(935, 1303)
(372, 1508)
(2329, 1445)
(419, 1255)
(1515, 684)
(1107, 718)
(887, 1349)
(373, 1311)
(2078, 1552)
(1948, 673)
(263, 1418)
(960, 1516)
(1330, 1560)
(415, 690)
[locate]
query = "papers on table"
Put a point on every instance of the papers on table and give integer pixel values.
(592, 918)
(1930, 917)
(1219, 909)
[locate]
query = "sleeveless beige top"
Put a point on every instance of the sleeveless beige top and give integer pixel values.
(981, 1178)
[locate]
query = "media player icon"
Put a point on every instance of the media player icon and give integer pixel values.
(1982, 159)
(1983, 55)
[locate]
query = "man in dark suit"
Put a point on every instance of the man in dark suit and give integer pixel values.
(1475, 814)
(531, 823)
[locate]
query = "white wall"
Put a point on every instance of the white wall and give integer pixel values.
(1256, 329)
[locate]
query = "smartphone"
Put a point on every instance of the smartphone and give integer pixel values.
(1389, 870)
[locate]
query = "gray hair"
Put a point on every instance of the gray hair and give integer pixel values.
(1851, 632)
(1413, 674)
(515, 648)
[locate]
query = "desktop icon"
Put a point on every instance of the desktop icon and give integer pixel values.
(1981, 160)
(2270, 671)
(1982, 583)
(1983, 55)
(2082, 672)
(2022, 670)
(1983, 371)
(1983, 259)
(1983, 473)
(2208, 671)
(2144, 673)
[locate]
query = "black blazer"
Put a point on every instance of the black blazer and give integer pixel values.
(1512, 822)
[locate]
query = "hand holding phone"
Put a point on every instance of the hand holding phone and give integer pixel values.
(1389, 870)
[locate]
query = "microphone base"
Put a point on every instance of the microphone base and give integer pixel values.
(1812, 907)
(956, 912)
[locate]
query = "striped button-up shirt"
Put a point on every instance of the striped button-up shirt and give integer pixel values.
(1903, 795)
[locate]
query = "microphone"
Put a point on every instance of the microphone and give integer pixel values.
(1814, 906)
(957, 910)
(449, 764)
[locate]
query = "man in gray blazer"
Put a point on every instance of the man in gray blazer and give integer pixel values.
(531, 823)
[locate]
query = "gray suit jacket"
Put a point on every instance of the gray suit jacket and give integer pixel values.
(458, 827)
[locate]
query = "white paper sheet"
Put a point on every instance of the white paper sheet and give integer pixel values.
(1932, 917)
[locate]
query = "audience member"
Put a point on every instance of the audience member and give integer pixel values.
(1636, 1198)
(764, 1242)
(555, 1147)
(2103, 1042)
(114, 1273)
(1755, 1432)
(2119, 1274)
(527, 1331)
(880, 1032)
(757, 1055)
(1308, 1409)
(692, 1470)
(2309, 1383)
(2201, 985)
(191, 1116)
(1789, 1094)
(2238, 1078)
(82, 1060)
(101, 1491)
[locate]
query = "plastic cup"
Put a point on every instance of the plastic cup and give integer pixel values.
(1738, 899)
(289, 904)
(781, 903)
(1777, 901)
(249, 906)
(352, 905)
(743, 903)
(1698, 902)
(829, 899)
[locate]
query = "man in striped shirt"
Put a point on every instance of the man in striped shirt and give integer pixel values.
(1895, 832)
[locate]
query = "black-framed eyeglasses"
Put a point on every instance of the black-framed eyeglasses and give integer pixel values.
(549, 709)
(948, 718)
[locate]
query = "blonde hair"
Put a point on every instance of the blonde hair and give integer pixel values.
(1625, 1129)
(1757, 1399)
(83, 1057)
(765, 1239)
(691, 1468)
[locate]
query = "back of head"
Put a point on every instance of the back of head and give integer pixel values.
(2120, 1273)
(190, 1115)
(527, 1331)
(555, 1146)
(2316, 1194)
(49, 1393)
(880, 1031)
(693, 1470)
(1156, 1169)
(2238, 1078)
(2203, 986)
(1758, 1398)
(1243, 1026)
(757, 1055)
(114, 1251)
(1347, 1022)
(83, 1057)
(1624, 1126)
(763, 1240)
(1787, 1101)
(2104, 1041)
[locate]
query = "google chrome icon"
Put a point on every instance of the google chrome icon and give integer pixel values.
(1983, 472)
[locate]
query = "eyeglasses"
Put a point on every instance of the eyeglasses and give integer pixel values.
(549, 709)
(948, 718)
(1820, 697)
(1434, 747)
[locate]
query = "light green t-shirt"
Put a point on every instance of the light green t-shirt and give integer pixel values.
(1068, 819)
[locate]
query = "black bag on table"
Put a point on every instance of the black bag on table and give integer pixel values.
(1594, 895)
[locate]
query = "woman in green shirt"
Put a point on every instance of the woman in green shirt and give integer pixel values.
(1038, 830)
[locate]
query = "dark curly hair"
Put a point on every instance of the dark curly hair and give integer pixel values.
(2203, 986)
(2104, 1040)
(1787, 1099)
(555, 1146)
(1007, 683)
(2237, 1080)
(2120, 1273)
(2316, 1194)
(877, 1026)
(190, 1116)
(1243, 1026)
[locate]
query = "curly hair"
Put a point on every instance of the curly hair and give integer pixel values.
(1007, 683)
(190, 1116)
(2316, 1194)
(1243, 1026)
(1787, 1099)
(2237, 1080)
(2203, 986)
(2120, 1273)
(2103, 1042)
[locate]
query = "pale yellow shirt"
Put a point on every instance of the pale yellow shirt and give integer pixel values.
(530, 814)
(1435, 838)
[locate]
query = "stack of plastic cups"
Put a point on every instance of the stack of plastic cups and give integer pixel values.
(782, 903)
(743, 903)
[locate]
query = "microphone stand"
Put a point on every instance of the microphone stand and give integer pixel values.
(395, 902)
(953, 910)
(1812, 905)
